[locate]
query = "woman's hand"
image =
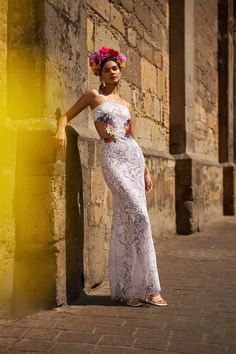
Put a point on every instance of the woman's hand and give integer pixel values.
(60, 138)
(148, 181)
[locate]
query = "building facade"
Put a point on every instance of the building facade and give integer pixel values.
(180, 78)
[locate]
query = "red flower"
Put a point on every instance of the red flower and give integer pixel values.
(113, 53)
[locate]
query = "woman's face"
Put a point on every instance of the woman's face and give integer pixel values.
(111, 73)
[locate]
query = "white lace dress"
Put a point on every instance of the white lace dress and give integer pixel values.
(132, 265)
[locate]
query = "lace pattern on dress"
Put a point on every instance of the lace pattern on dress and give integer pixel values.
(132, 265)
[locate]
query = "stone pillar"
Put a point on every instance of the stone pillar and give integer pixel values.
(7, 177)
(39, 272)
(181, 108)
(226, 107)
(44, 57)
(195, 173)
(182, 77)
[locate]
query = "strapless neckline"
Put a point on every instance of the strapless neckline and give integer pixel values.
(119, 104)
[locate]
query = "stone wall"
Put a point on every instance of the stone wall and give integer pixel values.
(140, 31)
(25, 59)
(65, 55)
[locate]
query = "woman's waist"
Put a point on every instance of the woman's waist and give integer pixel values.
(112, 133)
(120, 143)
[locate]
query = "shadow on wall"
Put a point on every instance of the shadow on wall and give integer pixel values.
(48, 265)
(74, 218)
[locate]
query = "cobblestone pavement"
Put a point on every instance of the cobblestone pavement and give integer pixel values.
(198, 280)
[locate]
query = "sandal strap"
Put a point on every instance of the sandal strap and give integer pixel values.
(133, 300)
(157, 298)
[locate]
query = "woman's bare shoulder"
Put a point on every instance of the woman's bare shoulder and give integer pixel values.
(92, 93)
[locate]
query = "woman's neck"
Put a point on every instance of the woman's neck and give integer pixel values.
(110, 90)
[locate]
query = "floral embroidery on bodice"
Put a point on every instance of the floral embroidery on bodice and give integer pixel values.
(116, 119)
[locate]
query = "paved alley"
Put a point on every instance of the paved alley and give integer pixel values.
(198, 279)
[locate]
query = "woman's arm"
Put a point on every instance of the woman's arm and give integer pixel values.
(84, 101)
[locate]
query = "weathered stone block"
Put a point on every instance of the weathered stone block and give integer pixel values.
(139, 28)
(3, 13)
(150, 131)
(146, 50)
(160, 84)
(65, 50)
(137, 100)
(101, 7)
(116, 19)
(148, 105)
(73, 9)
(6, 280)
(126, 91)
(132, 71)
(90, 37)
(97, 185)
(25, 68)
(148, 76)
(34, 281)
(104, 37)
(143, 13)
(132, 36)
(158, 59)
(128, 5)
(198, 193)
(157, 110)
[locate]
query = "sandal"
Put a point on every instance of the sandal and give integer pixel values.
(156, 300)
(133, 301)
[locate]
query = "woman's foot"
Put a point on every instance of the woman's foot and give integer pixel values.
(133, 301)
(156, 300)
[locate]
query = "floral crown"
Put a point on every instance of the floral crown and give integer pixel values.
(96, 58)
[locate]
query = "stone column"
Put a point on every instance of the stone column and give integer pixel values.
(194, 171)
(226, 104)
(44, 55)
(182, 77)
(181, 108)
(7, 177)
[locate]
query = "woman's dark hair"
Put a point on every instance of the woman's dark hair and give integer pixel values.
(105, 61)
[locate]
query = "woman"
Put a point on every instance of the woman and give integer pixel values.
(132, 259)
